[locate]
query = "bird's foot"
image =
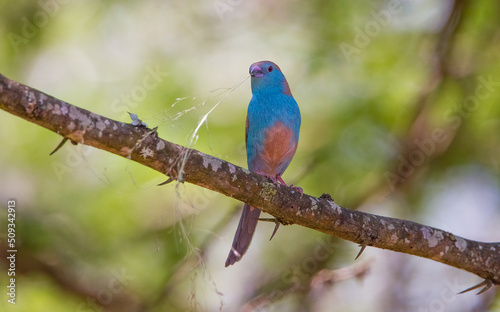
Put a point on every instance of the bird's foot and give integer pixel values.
(278, 181)
(275, 179)
(295, 188)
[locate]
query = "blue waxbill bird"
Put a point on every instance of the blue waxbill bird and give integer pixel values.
(271, 135)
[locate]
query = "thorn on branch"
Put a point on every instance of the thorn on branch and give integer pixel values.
(273, 220)
(166, 182)
(326, 196)
(275, 229)
(154, 132)
(360, 251)
(61, 145)
(172, 174)
(487, 283)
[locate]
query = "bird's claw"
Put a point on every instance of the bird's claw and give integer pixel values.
(278, 181)
(275, 181)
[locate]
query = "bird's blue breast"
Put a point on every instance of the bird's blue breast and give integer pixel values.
(267, 113)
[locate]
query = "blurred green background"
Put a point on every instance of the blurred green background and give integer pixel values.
(400, 117)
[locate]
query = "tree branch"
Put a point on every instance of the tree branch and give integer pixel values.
(321, 214)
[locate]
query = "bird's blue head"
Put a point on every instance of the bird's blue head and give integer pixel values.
(267, 77)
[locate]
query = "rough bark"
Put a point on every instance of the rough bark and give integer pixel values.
(289, 207)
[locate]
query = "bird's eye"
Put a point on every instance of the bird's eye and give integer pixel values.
(270, 69)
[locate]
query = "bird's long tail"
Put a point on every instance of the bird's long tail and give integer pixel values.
(244, 233)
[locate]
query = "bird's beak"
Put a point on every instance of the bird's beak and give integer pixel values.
(256, 72)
